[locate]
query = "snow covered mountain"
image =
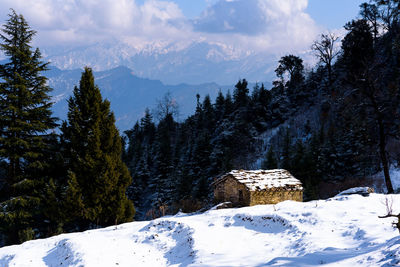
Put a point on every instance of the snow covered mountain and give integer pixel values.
(194, 63)
(342, 231)
(129, 95)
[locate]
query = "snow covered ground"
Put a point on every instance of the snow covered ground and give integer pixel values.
(342, 231)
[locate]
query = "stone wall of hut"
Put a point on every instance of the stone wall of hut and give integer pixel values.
(275, 196)
(233, 191)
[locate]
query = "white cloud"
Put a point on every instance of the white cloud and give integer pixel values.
(269, 25)
(80, 21)
(272, 26)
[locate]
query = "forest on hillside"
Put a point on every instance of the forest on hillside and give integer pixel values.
(332, 127)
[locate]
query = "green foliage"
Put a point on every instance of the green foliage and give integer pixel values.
(73, 201)
(286, 150)
(357, 47)
(241, 93)
(98, 178)
(25, 138)
(26, 235)
(293, 66)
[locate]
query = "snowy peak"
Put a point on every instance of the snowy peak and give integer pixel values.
(192, 63)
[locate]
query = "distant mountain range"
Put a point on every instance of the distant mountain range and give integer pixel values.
(194, 63)
(129, 95)
(151, 71)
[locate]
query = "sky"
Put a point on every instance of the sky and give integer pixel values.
(328, 13)
(333, 14)
(242, 26)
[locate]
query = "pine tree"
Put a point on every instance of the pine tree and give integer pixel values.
(241, 93)
(219, 105)
(358, 48)
(264, 96)
(270, 161)
(163, 158)
(286, 147)
(208, 114)
(148, 126)
(98, 178)
(228, 104)
(26, 121)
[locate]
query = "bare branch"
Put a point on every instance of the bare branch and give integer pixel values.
(389, 216)
(326, 51)
(166, 106)
(389, 212)
(388, 203)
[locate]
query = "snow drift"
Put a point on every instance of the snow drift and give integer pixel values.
(342, 231)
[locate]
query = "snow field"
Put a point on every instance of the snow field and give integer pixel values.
(342, 231)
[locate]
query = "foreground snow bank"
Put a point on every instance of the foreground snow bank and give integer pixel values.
(342, 231)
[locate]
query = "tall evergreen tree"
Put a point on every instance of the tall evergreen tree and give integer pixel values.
(98, 178)
(163, 158)
(358, 48)
(25, 123)
(270, 161)
(285, 153)
(241, 93)
(228, 109)
(219, 105)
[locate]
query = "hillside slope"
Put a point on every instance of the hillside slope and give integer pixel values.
(129, 95)
(342, 231)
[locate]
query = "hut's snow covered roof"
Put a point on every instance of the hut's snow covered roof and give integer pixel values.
(265, 179)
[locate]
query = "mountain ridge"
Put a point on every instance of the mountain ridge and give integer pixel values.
(129, 94)
(193, 63)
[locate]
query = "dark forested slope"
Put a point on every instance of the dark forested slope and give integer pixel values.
(332, 127)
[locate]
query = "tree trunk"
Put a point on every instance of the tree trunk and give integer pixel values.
(382, 137)
(382, 146)
(382, 152)
(329, 66)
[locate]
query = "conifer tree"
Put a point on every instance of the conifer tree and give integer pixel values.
(98, 178)
(219, 105)
(163, 158)
(286, 146)
(228, 104)
(241, 93)
(270, 161)
(208, 114)
(148, 126)
(26, 121)
(264, 96)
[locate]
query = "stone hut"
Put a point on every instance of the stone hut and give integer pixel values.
(249, 188)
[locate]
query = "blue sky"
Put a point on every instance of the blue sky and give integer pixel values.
(331, 14)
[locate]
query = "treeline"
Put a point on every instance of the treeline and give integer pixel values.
(332, 127)
(52, 183)
(172, 161)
